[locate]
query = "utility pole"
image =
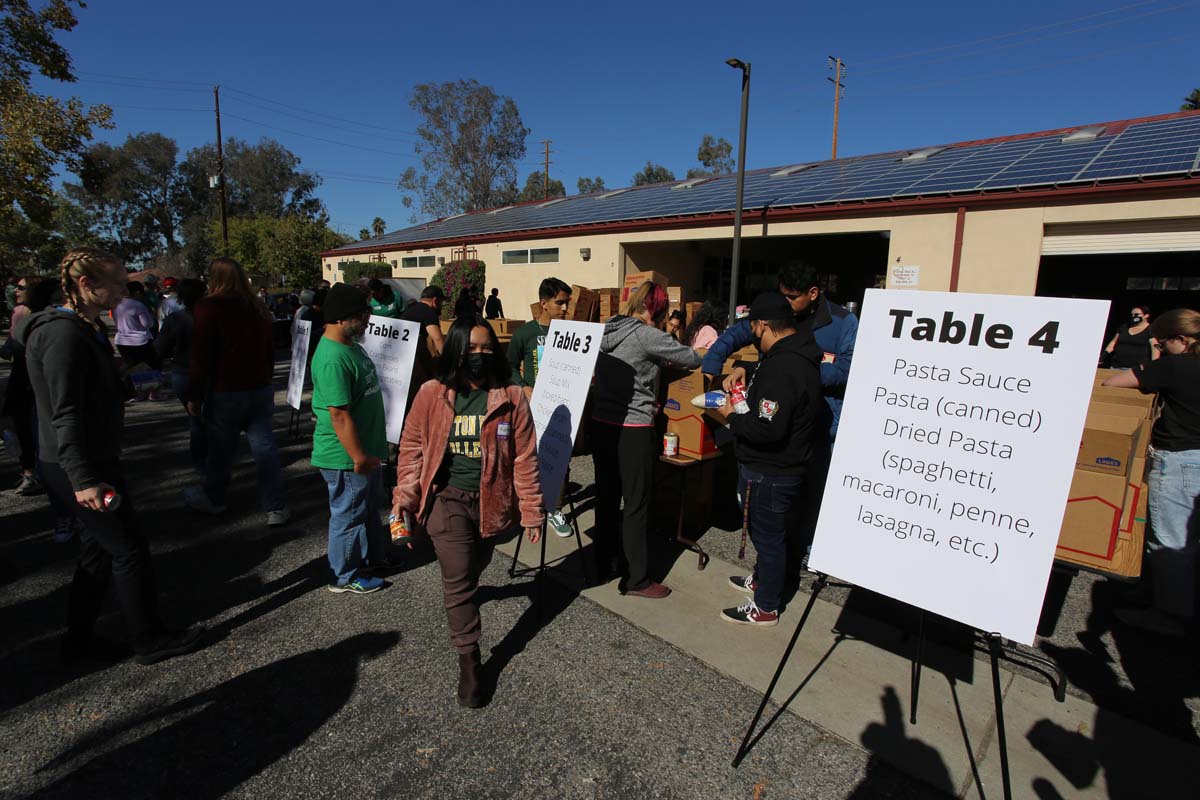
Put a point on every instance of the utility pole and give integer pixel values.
(221, 167)
(839, 72)
(546, 171)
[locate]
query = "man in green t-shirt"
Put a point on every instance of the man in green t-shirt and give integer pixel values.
(525, 349)
(350, 442)
(384, 302)
(525, 354)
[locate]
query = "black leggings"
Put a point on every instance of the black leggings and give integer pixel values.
(113, 549)
(624, 461)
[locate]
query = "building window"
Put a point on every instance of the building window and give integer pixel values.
(538, 255)
(418, 261)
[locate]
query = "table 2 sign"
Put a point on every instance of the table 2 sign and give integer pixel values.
(957, 441)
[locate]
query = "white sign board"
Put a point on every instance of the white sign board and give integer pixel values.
(301, 331)
(559, 394)
(905, 276)
(958, 437)
(392, 346)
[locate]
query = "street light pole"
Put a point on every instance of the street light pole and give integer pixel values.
(741, 186)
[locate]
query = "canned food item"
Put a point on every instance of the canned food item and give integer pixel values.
(111, 500)
(399, 528)
(670, 444)
(737, 396)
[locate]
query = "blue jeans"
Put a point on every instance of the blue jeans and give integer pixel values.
(1174, 540)
(772, 499)
(226, 415)
(355, 529)
(197, 440)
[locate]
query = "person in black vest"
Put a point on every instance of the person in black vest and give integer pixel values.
(776, 443)
(1133, 343)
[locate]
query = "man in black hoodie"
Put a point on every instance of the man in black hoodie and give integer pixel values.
(775, 442)
(80, 407)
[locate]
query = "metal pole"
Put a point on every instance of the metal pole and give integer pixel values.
(741, 186)
(221, 168)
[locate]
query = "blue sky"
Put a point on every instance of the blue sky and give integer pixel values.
(616, 84)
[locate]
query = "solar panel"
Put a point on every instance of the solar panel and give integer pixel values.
(1153, 148)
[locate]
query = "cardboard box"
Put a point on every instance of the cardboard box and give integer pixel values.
(1091, 533)
(506, 327)
(635, 279)
(694, 428)
(691, 310)
(675, 298)
(609, 302)
(580, 308)
(1132, 397)
(535, 310)
(1108, 444)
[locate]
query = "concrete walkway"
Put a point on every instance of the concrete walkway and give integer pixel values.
(855, 673)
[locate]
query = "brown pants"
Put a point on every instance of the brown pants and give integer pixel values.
(463, 555)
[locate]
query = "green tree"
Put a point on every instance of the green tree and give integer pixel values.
(470, 142)
(378, 226)
(37, 132)
(280, 248)
(652, 173)
(590, 185)
(135, 194)
(457, 275)
(364, 234)
(260, 179)
(533, 188)
(1191, 102)
(715, 157)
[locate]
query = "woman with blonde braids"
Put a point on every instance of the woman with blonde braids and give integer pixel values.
(80, 406)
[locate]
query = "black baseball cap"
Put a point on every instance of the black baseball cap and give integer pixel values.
(770, 306)
(344, 301)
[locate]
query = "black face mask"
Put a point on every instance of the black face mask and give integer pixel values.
(476, 364)
(757, 339)
(1136, 319)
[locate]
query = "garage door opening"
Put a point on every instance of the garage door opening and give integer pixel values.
(848, 264)
(1162, 281)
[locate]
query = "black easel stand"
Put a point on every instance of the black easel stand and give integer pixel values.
(744, 749)
(294, 424)
(994, 649)
(540, 569)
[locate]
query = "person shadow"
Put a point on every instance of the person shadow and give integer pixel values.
(208, 744)
(890, 737)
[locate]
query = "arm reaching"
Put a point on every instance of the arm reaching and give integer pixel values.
(734, 338)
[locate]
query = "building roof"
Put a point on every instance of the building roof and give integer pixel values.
(1130, 152)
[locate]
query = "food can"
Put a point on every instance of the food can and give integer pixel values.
(398, 526)
(670, 444)
(112, 500)
(737, 396)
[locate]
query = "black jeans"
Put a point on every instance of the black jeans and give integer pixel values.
(624, 461)
(112, 548)
(134, 354)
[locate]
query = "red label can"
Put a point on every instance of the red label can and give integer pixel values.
(737, 397)
(399, 528)
(670, 444)
(112, 500)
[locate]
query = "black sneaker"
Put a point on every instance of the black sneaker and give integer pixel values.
(171, 644)
(743, 583)
(749, 614)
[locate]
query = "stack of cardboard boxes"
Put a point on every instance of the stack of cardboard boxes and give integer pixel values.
(1105, 523)
(696, 429)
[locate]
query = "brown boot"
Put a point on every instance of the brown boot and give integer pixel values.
(470, 688)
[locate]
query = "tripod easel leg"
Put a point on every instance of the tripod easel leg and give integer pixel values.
(994, 648)
(744, 749)
(916, 669)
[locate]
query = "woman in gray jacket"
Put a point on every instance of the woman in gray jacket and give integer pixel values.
(623, 435)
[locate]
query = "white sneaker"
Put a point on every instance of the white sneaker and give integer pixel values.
(560, 525)
(195, 499)
(277, 518)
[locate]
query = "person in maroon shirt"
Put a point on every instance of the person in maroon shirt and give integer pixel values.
(230, 386)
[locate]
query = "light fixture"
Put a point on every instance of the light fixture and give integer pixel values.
(441, 261)
(585, 253)
(736, 63)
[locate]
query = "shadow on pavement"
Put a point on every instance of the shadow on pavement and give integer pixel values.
(222, 736)
(890, 737)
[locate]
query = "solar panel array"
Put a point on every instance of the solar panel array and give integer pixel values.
(1141, 150)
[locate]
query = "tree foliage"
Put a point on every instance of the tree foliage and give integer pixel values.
(533, 188)
(364, 234)
(378, 226)
(590, 185)
(715, 157)
(286, 248)
(652, 173)
(457, 275)
(1191, 102)
(470, 142)
(260, 179)
(37, 132)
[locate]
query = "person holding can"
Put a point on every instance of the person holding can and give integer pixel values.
(81, 402)
(625, 445)
(350, 442)
(467, 470)
(776, 442)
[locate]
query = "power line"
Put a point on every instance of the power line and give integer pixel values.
(137, 78)
(319, 113)
(1058, 35)
(1000, 36)
(320, 138)
(348, 129)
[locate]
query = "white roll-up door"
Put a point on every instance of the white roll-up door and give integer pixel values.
(1137, 236)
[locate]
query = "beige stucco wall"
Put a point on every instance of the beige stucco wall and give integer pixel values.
(1001, 248)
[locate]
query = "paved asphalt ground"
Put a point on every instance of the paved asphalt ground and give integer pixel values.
(301, 692)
